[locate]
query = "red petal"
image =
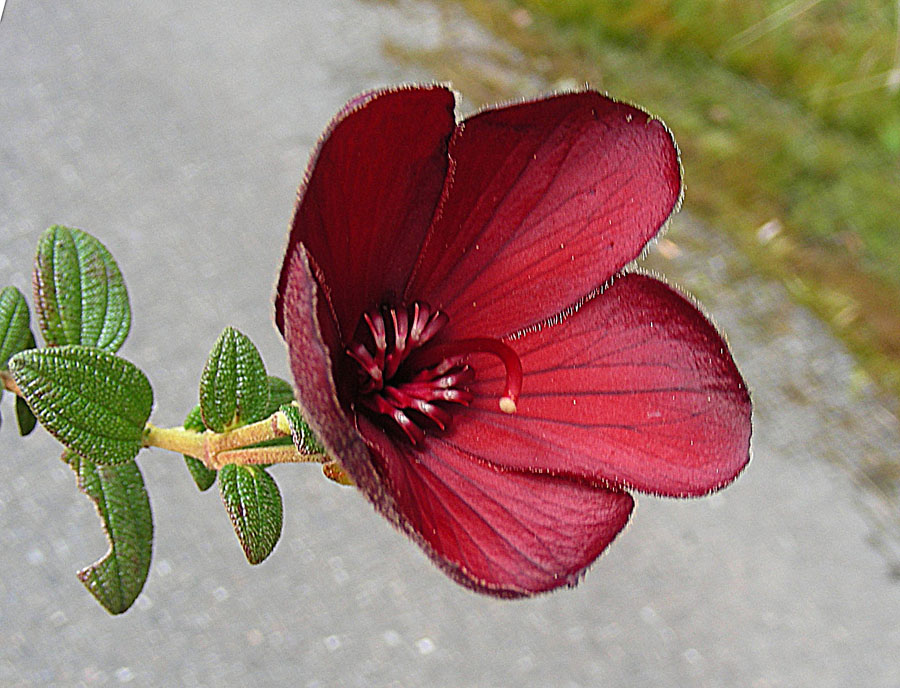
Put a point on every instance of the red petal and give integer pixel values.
(503, 533)
(311, 336)
(370, 192)
(636, 389)
(507, 534)
(548, 200)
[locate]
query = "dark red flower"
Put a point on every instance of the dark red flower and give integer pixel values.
(465, 342)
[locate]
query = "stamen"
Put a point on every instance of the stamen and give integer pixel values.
(406, 379)
(415, 434)
(425, 323)
(361, 355)
(379, 404)
(379, 335)
(437, 353)
(441, 368)
(420, 319)
(396, 356)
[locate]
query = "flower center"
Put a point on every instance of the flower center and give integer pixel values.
(414, 382)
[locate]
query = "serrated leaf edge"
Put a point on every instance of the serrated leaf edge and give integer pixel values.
(9, 332)
(86, 248)
(84, 574)
(54, 415)
(235, 520)
(238, 411)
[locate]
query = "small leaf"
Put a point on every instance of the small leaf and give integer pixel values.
(123, 505)
(15, 333)
(304, 439)
(280, 392)
(204, 477)
(24, 417)
(254, 504)
(79, 293)
(234, 390)
(92, 401)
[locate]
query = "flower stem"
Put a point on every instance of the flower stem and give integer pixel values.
(178, 440)
(216, 449)
(232, 446)
(255, 455)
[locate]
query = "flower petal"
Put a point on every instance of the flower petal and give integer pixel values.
(369, 195)
(311, 336)
(636, 390)
(548, 200)
(504, 533)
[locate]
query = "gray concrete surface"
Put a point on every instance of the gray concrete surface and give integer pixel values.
(177, 133)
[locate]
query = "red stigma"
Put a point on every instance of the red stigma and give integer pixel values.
(405, 377)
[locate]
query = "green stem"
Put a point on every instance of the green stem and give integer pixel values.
(233, 446)
(176, 439)
(258, 455)
(216, 449)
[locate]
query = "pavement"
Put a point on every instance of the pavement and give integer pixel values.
(177, 133)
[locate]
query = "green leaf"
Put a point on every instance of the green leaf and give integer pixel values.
(303, 436)
(79, 293)
(254, 504)
(280, 393)
(204, 477)
(24, 417)
(123, 505)
(92, 401)
(234, 390)
(15, 333)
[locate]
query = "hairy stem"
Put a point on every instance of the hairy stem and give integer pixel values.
(257, 455)
(216, 449)
(233, 446)
(178, 440)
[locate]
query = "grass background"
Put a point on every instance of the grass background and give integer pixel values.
(788, 116)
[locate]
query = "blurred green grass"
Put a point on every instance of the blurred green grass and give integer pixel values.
(837, 59)
(788, 122)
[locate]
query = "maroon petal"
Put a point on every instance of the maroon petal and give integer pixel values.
(636, 389)
(548, 200)
(312, 338)
(503, 533)
(370, 192)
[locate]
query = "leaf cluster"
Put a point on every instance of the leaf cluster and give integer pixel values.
(94, 402)
(235, 391)
(98, 404)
